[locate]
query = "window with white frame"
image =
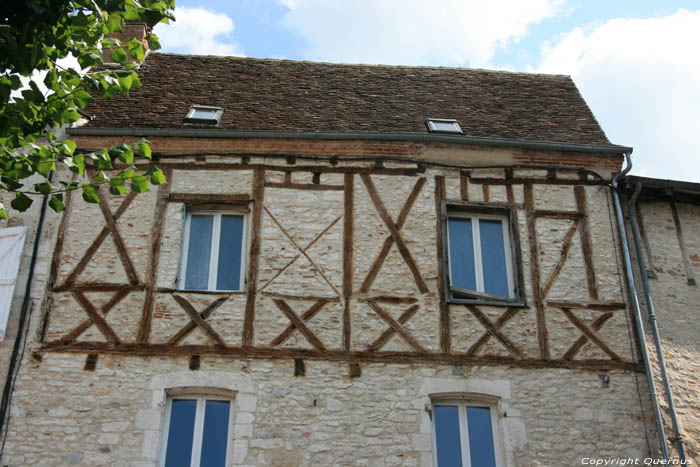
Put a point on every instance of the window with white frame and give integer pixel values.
(196, 432)
(482, 254)
(213, 256)
(465, 434)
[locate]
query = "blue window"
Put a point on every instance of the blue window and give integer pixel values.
(480, 257)
(196, 432)
(465, 435)
(213, 256)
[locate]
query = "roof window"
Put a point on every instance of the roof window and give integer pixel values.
(443, 125)
(204, 114)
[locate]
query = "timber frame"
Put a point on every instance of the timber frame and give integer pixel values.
(301, 309)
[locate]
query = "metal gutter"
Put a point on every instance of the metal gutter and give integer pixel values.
(354, 136)
(677, 436)
(635, 306)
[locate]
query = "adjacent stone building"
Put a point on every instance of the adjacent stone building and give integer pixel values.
(349, 265)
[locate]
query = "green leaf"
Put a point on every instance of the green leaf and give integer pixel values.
(45, 167)
(124, 153)
(101, 177)
(51, 79)
(56, 202)
(3, 214)
(68, 146)
(117, 186)
(43, 188)
(139, 184)
(90, 194)
(102, 160)
(136, 49)
(70, 184)
(153, 42)
(78, 164)
(143, 149)
(127, 173)
(118, 56)
(82, 98)
(113, 23)
(21, 202)
(157, 176)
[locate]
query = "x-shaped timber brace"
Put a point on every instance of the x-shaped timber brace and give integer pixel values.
(343, 351)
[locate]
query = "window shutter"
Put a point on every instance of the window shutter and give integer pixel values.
(11, 243)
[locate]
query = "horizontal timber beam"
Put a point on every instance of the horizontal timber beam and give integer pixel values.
(163, 350)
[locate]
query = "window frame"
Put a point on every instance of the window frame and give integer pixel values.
(201, 398)
(506, 212)
(215, 120)
(432, 128)
(214, 249)
(462, 402)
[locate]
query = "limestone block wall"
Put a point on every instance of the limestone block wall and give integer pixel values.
(344, 288)
(64, 415)
(677, 304)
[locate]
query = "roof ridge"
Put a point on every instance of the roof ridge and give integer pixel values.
(363, 65)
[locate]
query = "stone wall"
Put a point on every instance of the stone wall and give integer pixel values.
(677, 305)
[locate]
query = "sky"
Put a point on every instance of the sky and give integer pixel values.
(636, 62)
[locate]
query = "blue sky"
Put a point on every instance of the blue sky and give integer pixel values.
(636, 62)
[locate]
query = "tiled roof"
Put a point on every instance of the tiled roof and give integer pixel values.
(265, 94)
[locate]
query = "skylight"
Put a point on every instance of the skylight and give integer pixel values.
(204, 114)
(443, 125)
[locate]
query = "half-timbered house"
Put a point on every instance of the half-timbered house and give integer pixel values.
(349, 265)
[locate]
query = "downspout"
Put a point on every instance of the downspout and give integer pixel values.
(677, 437)
(24, 314)
(635, 305)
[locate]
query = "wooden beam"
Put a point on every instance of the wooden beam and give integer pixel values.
(533, 180)
(445, 333)
(299, 324)
(306, 316)
(305, 186)
(299, 367)
(389, 241)
(194, 316)
(551, 214)
(591, 335)
(217, 198)
(60, 238)
(302, 251)
(164, 350)
(191, 326)
(565, 247)
(348, 266)
(592, 305)
(581, 341)
(210, 166)
(500, 322)
(354, 370)
(144, 333)
(535, 279)
(118, 240)
(389, 332)
(390, 299)
(398, 328)
(95, 317)
(99, 287)
(690, 276)
(194, 362)
(491, 329)
(95, 245)
(464, 185)
(586, 243)
(394, 231)
(253, 257)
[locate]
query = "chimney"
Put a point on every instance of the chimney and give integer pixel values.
(130, 30)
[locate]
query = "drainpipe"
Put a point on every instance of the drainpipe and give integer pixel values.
(635, 305)
(677, 437)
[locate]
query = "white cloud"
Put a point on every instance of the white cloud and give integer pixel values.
(640, 78)
(413, 32)
(198, 31)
